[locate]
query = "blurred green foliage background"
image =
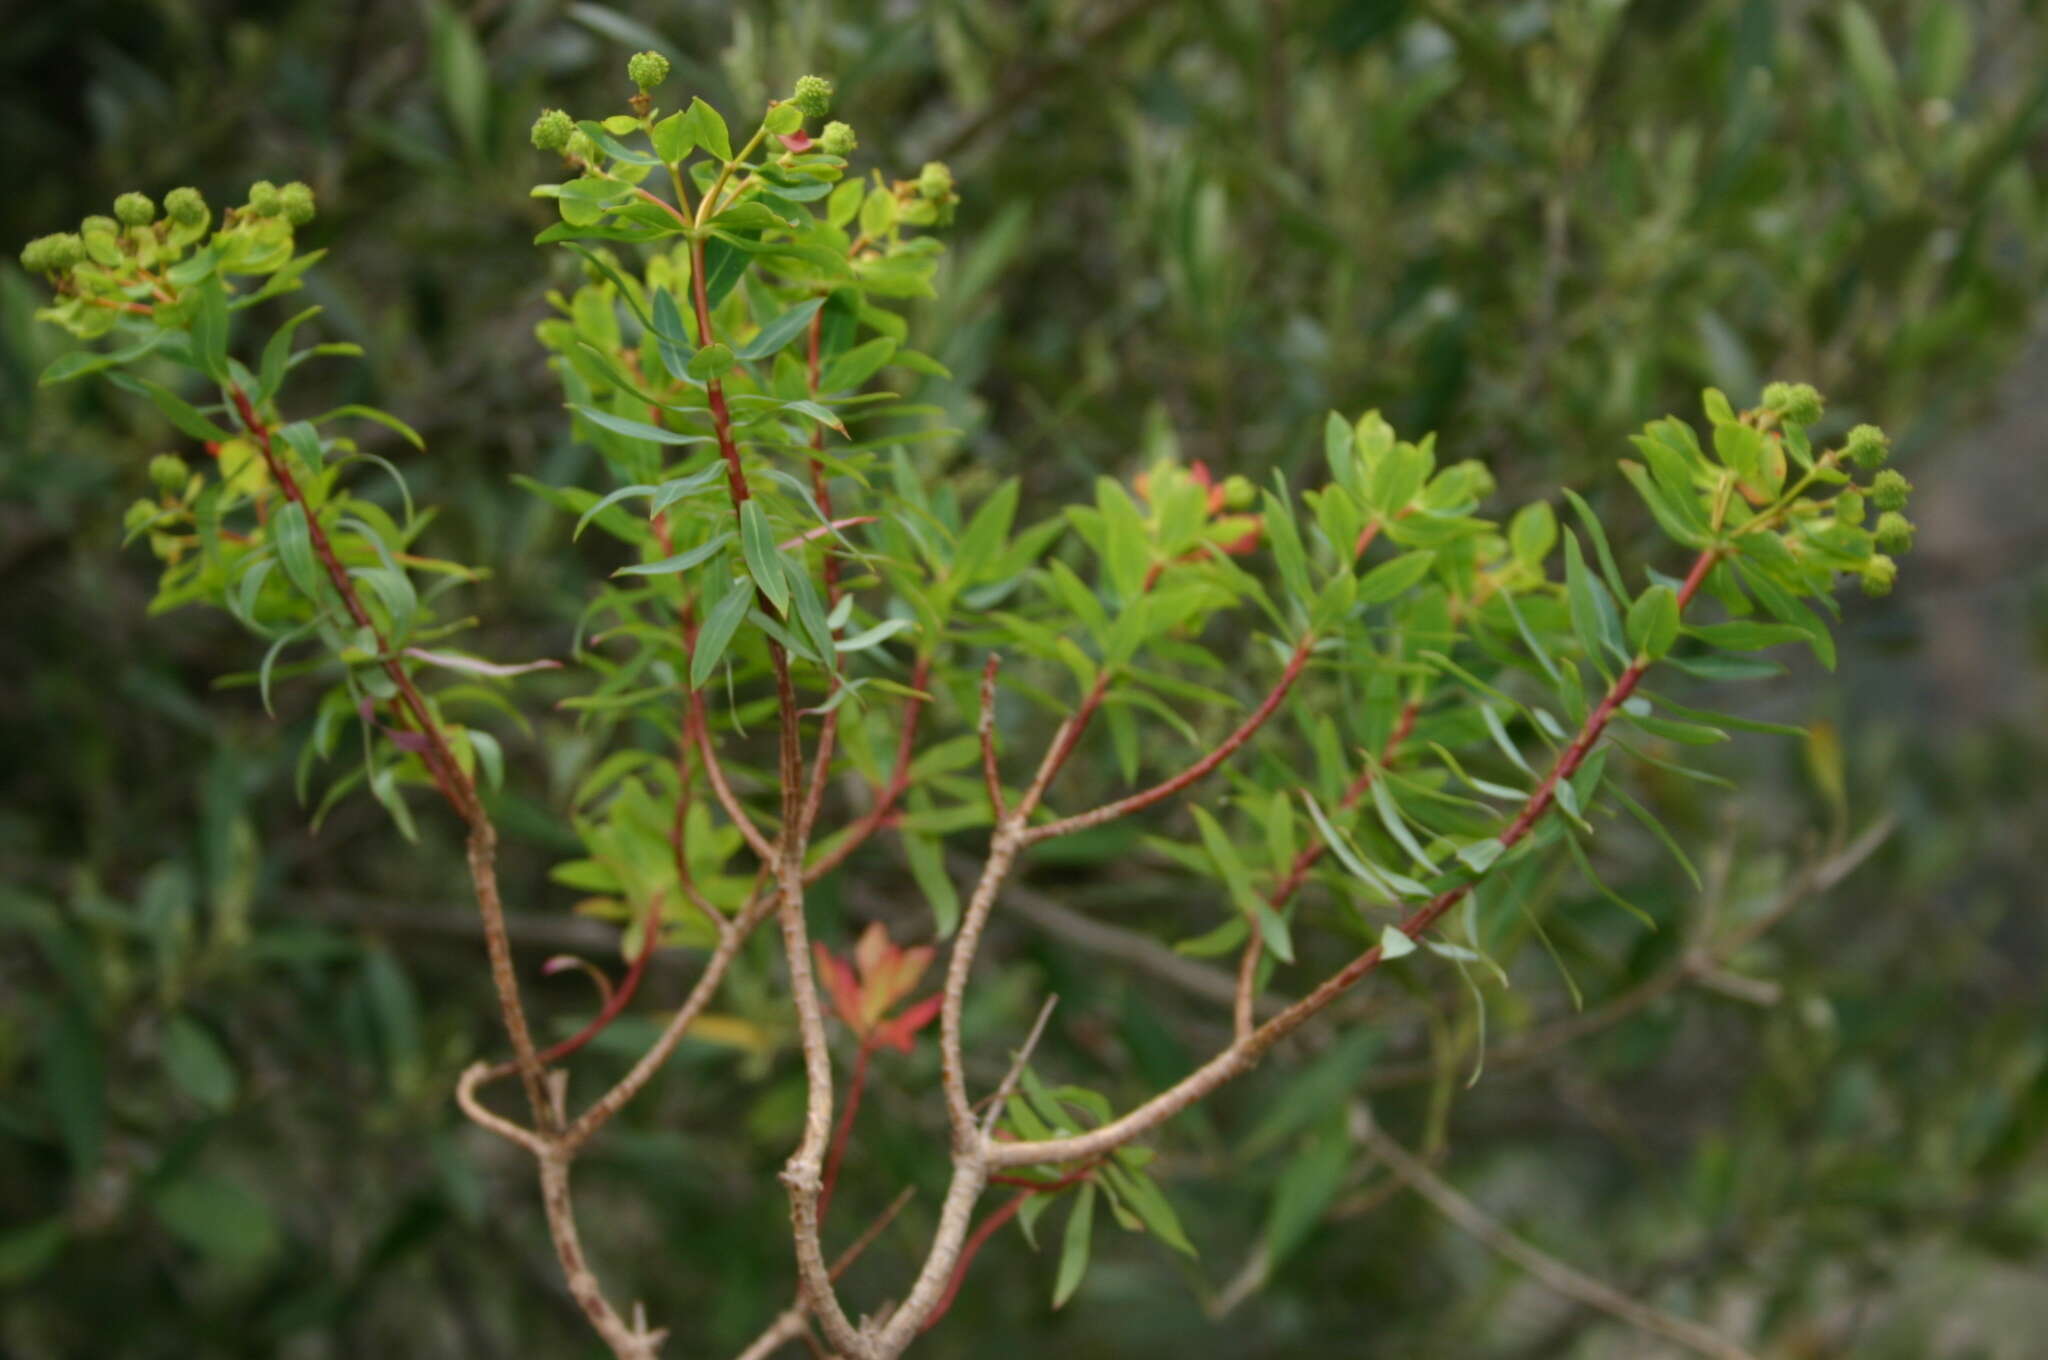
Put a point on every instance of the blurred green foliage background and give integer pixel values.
(226, 1043)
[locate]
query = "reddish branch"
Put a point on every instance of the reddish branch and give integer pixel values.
(448, 775)
(721, 416)
(899, 781)
(1166, 788)
(1246, 1050)
(1305, 861)
(854, 1086)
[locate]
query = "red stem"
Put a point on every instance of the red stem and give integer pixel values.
(440, 761)
(899, 781)
(721, 417)
(842, 1134)
(1567, 764)
(1145, 798)
(986, 1229)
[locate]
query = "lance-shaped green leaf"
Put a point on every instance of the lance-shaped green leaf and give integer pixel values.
(1585, 596)
(857, 365)
(1272, 926)
(175, 408)
(1074, 1245)
(636, 429)
(210, 328)
(720, 623)
(781, 330)
(295, 548)
(682, 561)
(1390, 579)
(1653, 621)
(764, 562)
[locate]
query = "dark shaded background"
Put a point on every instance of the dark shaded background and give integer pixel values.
(1529, 227)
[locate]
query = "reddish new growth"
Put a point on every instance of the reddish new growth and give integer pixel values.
(863, 992)
(881, 974)
(1221, 494)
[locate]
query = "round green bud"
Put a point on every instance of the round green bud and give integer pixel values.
(1889, 489)
(1878, 574)
(296, 199)
(813, 96)
(264, 200)
(138, 516)
(581, 148)
(1795, 403)
(1868, 446)
(552, 130)
(647, 69)
(134, 210)
(935, 181)
(1849, 507)
(52, 254)
(837, 139)
(185, 207)
(96, 225)
(1894, 532)
(1239, 493)
(169, 472)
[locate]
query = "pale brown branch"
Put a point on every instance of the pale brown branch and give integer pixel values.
(605, 1106)
(466, 1098)
(629, 1341)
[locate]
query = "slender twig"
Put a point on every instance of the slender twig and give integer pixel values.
(1546, 1269)
(1297, 661)
(604, 1107)
(898, 782)
(844, 1261)
(994, 1113)
(990, 771)
(721, 787)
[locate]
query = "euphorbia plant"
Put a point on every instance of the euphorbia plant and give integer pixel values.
(1427, 703)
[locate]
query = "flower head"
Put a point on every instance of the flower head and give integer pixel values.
(1796, 403)
(647, 69)
(1868, 446)
(1878, 574)
(552, 130)
(53, 254)
(186, 207)
(813, 96)
(1889, 490)
(1894, 532)
(264, 199)
(837, 139)
(134, 210)
(1237, 535)
(880, 975)
(296, 199)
